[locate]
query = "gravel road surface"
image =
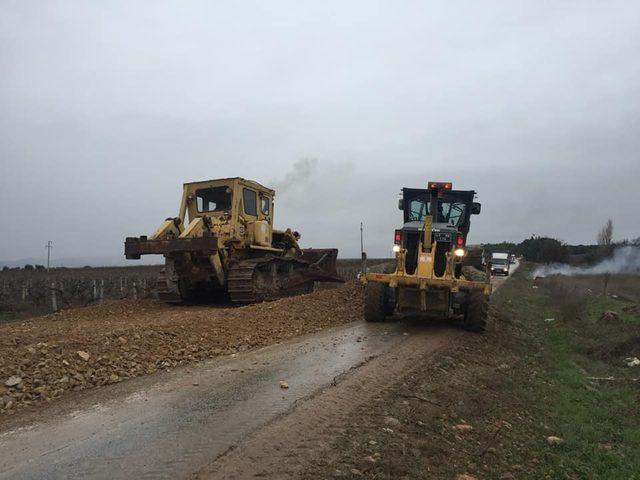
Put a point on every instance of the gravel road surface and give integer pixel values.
(170, 425)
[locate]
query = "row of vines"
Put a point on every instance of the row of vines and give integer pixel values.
(39, 291)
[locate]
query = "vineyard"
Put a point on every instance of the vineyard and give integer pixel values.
(34, 292)
(26, 292)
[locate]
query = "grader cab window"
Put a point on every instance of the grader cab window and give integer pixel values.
(453, 212)
(250, 201)
(213, 199)
(449, 211)
(418, 209)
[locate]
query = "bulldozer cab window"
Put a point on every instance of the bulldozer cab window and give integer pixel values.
(213, 199)
(449, 211)
(250, 201)
(265, 205)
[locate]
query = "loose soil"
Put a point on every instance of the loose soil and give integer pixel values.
(72, 350)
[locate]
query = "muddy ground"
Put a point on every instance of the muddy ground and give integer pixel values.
(44, 358)
(547, 393)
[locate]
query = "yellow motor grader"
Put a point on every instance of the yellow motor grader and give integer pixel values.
(430, 250)
(223, 245)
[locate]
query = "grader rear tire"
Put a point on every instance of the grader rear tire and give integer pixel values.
(476, 313)
(374, 302)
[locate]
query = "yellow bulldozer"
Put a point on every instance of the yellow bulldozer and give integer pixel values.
(429, 276)
(222, 245)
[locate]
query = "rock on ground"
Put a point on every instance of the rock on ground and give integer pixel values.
(103, 344)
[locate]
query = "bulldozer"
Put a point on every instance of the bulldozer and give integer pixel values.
(430, 273)
(222, 246)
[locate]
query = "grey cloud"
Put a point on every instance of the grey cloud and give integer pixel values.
(107, 108)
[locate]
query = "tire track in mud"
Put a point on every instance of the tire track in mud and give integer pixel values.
(284, 447)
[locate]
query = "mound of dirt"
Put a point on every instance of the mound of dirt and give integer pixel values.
(474, 274)
(89, 347)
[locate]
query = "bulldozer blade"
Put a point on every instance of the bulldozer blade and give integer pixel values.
(322, 264)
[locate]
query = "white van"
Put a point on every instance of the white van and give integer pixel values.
(500, 263)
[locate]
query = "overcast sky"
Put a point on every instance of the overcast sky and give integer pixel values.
(107, 107)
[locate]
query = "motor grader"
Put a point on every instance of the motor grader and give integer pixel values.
(222, 245)
(429, 276)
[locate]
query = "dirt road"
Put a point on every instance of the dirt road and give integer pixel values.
(169, 425)
(176, 424)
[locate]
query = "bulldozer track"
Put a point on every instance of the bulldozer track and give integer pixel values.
(245, 285)
(162, 289)
(240, 283)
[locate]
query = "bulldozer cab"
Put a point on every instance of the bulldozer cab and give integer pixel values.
(231, 197)
(235, 208)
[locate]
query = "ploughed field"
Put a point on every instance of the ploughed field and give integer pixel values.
(43, 358)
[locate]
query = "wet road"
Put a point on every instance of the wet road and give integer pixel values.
(167, 426)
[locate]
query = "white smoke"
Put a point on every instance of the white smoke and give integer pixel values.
(300, 173)
(624, 260)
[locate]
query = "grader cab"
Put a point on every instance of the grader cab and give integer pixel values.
(430, 250)
(222, 244)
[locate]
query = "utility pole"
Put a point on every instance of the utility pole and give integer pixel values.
(49, 246)
(363, 255)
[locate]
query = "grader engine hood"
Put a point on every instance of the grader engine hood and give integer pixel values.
(443, 232)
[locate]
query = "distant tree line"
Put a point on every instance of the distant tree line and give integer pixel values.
(551, 250)
(27, 267)
(536, 249)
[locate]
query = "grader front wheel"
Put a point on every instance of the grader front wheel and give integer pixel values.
(376, 302)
